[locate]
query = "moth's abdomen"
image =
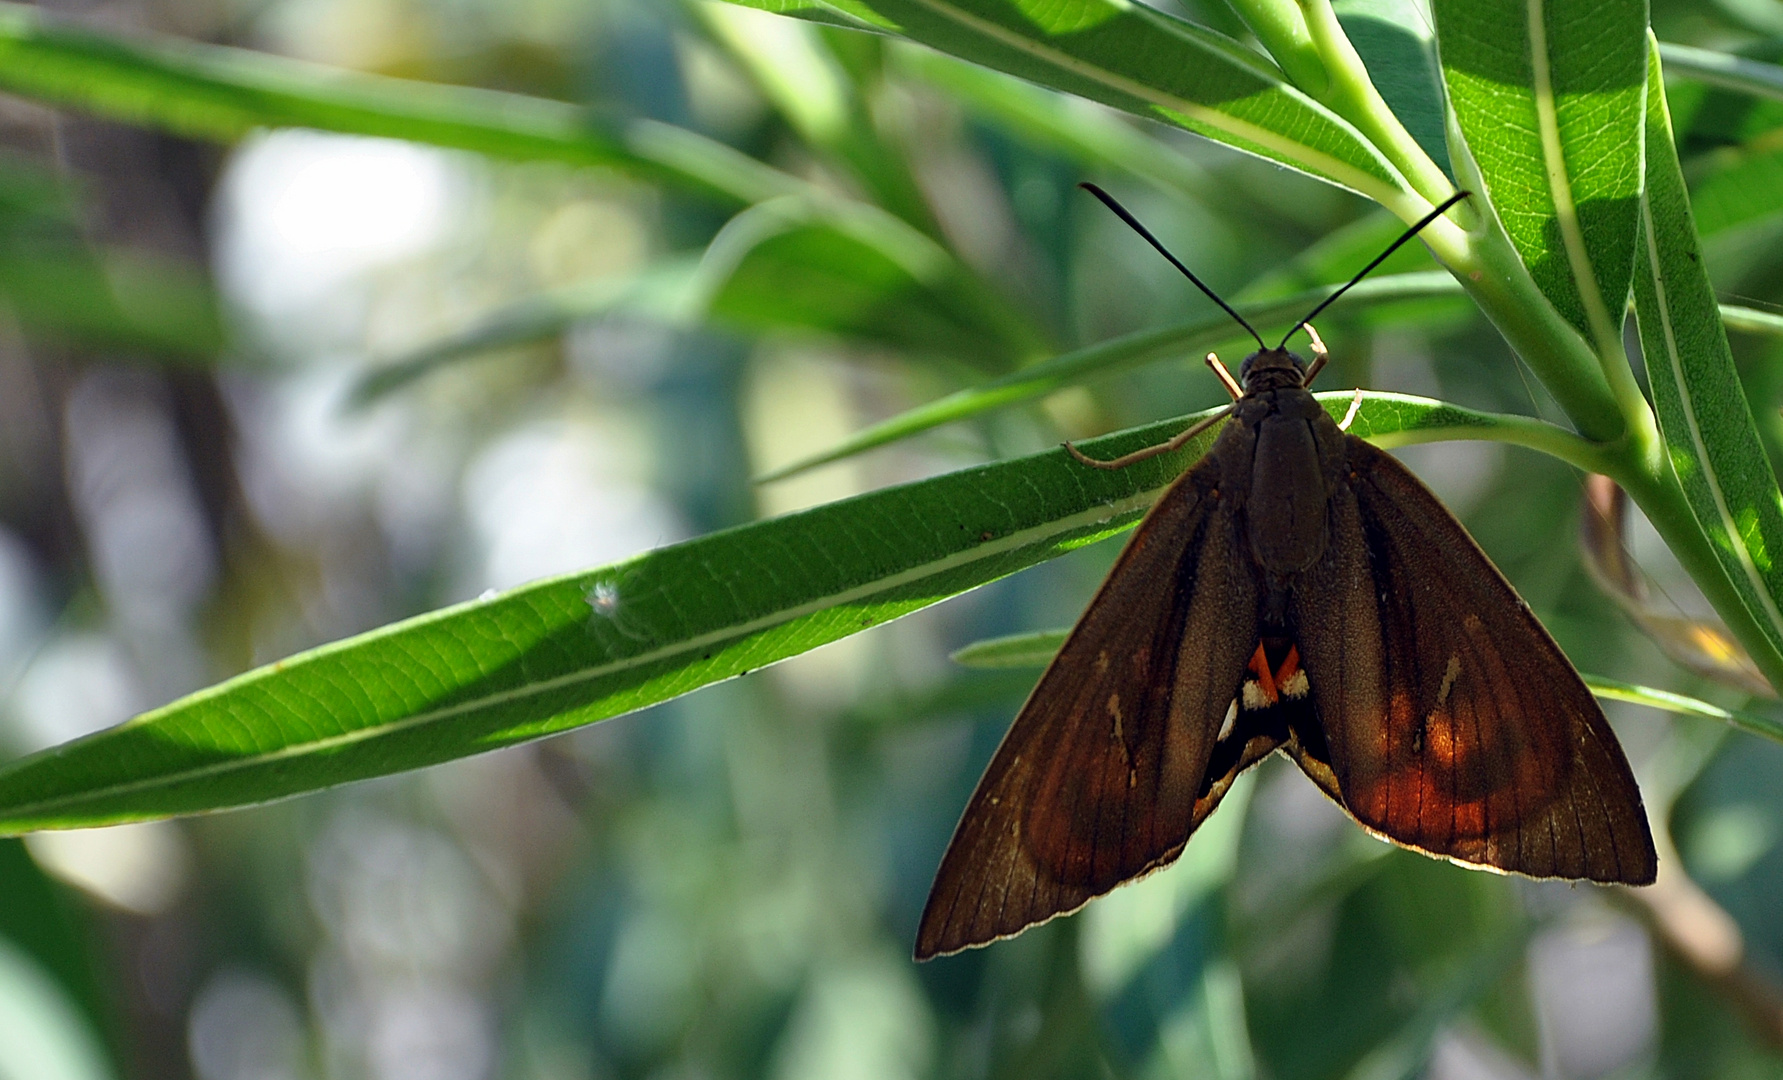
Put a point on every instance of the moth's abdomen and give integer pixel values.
(1287, 504)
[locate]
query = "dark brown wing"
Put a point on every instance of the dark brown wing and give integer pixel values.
(1453, 723)
(1097, 781)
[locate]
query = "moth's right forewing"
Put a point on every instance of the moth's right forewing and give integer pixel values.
(1096, 782)
(1455, 725)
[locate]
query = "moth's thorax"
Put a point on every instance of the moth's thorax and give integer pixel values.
(1272, 369)
(1282, 454)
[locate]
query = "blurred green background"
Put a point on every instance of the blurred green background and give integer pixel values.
(728, 885)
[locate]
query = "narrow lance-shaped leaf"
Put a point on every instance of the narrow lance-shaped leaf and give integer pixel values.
(1069, 125)
(667, 292)
(1748, 189)
(210, 92)
(846, 269)
(1723, 69)
(568, 651)
(1709, 434)
(1145, 62)
(1098, 361)
(1548, 94)
(559, 653)
(859, 272)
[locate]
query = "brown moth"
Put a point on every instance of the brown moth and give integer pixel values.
(1298, 590)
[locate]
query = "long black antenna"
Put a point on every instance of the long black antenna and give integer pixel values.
(1133, 222)
(1378, 259)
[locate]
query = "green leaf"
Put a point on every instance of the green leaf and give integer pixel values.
(1613, 690)
(1709, 435)
(114, 299)
(221, 94)
(42, 1033)
(1036, 650)
(857, 271)
(1031, 650)
(844, 13)
(1748, 188)
(1548, 94)
(1069, 125)
(1096, 361)
(845, 269)
(568, 651)
(1151, 64)
(668, 292)
(1724, 70)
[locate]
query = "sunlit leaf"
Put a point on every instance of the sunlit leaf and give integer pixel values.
(568, 651)
(1109, 357)
(1151, 64)
(1709, 433)
(1549, 95)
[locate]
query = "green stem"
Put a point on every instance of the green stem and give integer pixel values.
(1599, 393)
(1282, 30)
(1352, 95)
(1488, 267)
(1642, 433)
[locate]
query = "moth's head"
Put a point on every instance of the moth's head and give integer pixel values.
(1272, 369)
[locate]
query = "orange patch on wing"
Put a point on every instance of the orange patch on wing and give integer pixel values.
(1259, 667)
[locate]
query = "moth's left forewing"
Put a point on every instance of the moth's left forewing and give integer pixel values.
(1103, 774)
(1454, 723)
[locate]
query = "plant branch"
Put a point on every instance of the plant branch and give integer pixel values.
(1489, 268)
(1352, 95)
(1283, 31)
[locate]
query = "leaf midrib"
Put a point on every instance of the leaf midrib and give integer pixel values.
(1603, 332)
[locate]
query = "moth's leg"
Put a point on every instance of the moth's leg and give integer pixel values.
(1349, 417)
(1225, 377)
(1226, 380)
(1151, 451)
(1319, 355)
